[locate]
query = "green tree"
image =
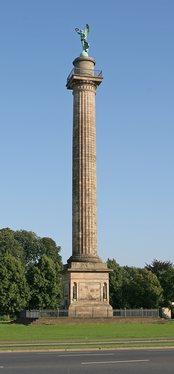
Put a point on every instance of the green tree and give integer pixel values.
(8, 244)
(14, 291)
(31, 245)
(34, 247)
(167, 283)
(157, 267)
(132, 287)
(141, 288)
(115, 284)
(44, 288)
(34, 255)
(164, 271)
(50, 249)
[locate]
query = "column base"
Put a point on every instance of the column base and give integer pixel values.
(86, 290)
(84, 258)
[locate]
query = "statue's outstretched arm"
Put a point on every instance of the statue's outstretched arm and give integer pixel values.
(78, 30)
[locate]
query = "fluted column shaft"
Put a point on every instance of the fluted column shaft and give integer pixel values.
(84, 81)
(84, 171)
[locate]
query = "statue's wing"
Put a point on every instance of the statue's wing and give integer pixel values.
(86, 31)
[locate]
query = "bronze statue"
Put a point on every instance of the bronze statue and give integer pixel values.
(83, 36)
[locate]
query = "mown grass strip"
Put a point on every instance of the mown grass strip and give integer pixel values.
(88, 347)
(84, 332)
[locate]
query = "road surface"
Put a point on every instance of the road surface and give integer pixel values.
(142, 361)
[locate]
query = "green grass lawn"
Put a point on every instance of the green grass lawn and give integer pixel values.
(84, 332)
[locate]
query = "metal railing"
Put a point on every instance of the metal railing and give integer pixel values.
(46, 313)
(136, 313)
(117, 313)
(84, 72)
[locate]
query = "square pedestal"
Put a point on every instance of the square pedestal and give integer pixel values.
(86, 290)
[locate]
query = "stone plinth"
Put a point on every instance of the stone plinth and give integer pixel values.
(86, 290)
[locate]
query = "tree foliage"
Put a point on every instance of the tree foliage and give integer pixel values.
(34, 247)
(164, 271)
(132, 287)
(116, 280)
(14, 291)
(44, 289)
(8, 244)
(141, 288)
(38, 262)
(157, 267)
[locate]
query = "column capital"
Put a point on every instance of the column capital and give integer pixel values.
(84, 71)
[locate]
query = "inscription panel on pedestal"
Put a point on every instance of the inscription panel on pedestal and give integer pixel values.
(89, 291)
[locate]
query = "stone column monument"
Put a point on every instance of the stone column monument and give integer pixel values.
(85, 277)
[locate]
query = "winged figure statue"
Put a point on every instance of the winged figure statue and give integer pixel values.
(83, 37)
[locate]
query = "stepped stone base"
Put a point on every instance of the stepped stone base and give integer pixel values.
(86, 289)
(91, 310)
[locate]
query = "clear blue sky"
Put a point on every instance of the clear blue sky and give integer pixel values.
(132, 42)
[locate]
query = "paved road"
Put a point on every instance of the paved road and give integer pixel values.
(151, 361)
